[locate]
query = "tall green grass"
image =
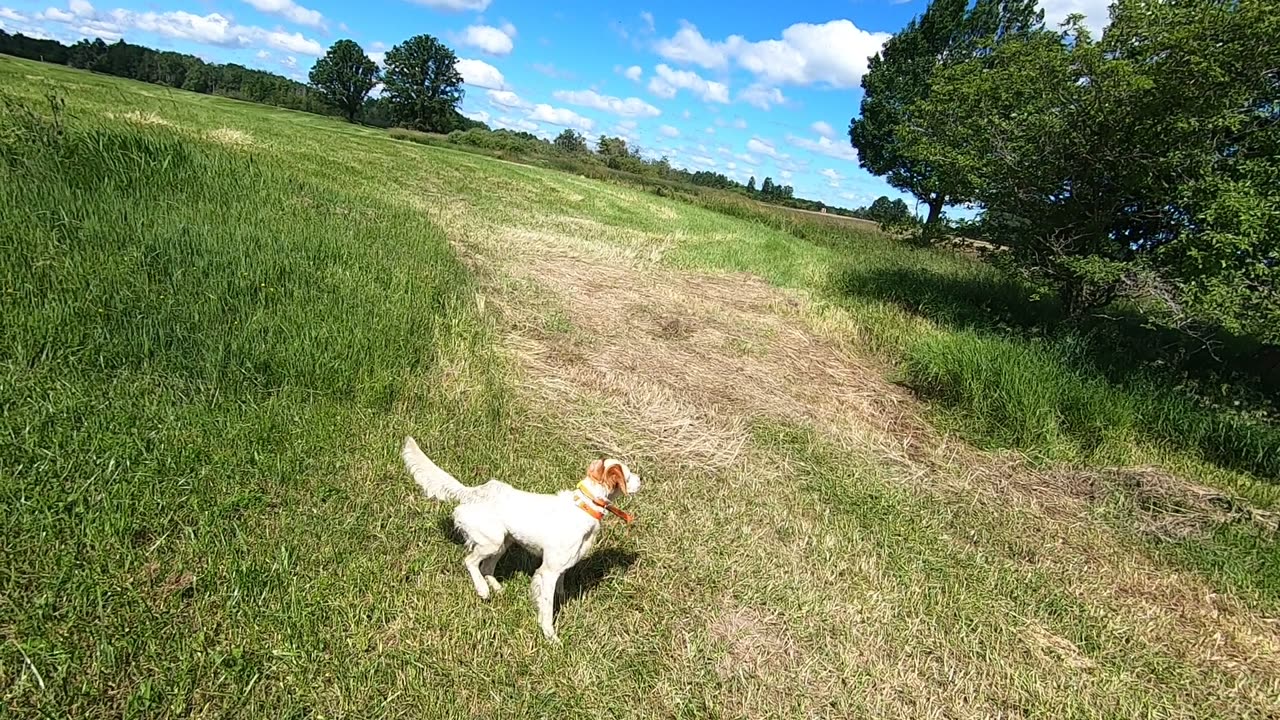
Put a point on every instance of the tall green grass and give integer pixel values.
(207, 361)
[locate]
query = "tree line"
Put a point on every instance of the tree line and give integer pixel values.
(1140, 167)
(421, 89)
(573, 150)
(172, 69)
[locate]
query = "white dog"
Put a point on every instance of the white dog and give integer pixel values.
(561, 527)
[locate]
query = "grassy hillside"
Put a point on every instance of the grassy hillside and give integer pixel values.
(219, 319)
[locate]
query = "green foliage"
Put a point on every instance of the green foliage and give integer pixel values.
(423, 85)
(891, 214)
(42, 49)
(1036, 396)
(1145, 165)
(899, 76)
(571, 141)
(772, 191)
(345, 75)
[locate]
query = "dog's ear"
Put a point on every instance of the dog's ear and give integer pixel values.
(595, 471)
(616, 479)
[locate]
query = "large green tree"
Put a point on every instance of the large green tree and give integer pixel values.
(344, 77)
(571, 141)
(423, 85)
(1144, 165)
(948, 33)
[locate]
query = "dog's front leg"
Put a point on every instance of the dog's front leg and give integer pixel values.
(544, 597)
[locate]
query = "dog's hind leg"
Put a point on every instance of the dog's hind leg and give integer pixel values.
(489, 564)
(477, 555)
(484, 539)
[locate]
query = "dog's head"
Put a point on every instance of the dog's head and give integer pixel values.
(614, 476)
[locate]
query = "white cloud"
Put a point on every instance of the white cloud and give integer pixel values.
(666, 82)
(11, 14)
(764, 147)
(1096, 13)
(517, 124)
(506, 98)
(744, 157)
(825, 146)
(287, 9)
(478, 116)
(834, 53)
(379, 57)
(688, 46)
(263, 55)
(629, 107)
(824, 129)
(833, 177)
(212, 29)
(633, 73)
(648, 20)
(489, 39)
(455, 5)
(762, 97)
(481, 74)
(740, 124)
(56, 15)
(786, 174)
(290, 62)
(669, 131)
(560, 116)
(710, 130)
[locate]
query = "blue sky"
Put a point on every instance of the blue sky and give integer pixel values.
(743, 88)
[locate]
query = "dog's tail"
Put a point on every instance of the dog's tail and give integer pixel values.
(435, 483)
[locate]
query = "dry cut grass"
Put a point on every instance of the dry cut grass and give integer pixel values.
(699, 373)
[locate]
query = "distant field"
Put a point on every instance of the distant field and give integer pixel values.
(219, 319)
(858, 223)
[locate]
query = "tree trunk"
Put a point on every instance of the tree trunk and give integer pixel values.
(935, 210)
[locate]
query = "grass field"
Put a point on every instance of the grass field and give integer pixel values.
(219, 319)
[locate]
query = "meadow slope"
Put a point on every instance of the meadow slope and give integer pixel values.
(219, 320)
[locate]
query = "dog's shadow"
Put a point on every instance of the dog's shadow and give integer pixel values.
(578, 581)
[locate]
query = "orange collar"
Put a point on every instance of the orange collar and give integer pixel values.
(589, 502)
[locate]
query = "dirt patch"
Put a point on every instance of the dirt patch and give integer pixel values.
(667, 348)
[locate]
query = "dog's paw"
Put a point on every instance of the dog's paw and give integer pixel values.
(494, 585)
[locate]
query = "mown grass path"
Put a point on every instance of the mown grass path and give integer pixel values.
(221, 318)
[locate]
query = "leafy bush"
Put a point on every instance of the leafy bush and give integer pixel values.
(1038, 395)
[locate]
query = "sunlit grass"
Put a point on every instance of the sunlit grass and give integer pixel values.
(210, 350)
